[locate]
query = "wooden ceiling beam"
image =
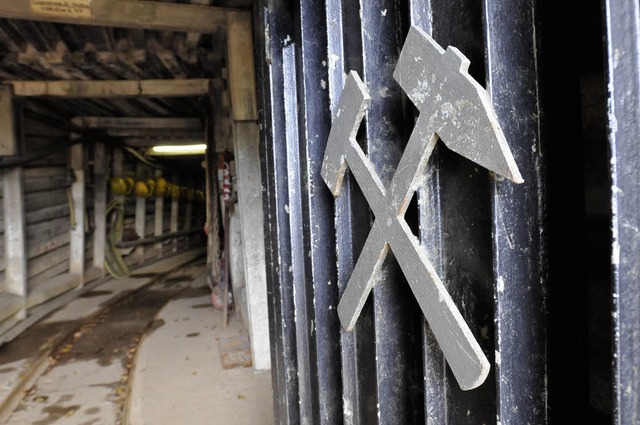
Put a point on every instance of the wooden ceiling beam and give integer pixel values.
(137, 123)
(110, 89)
(149, 142)
(121, 13)
(154, 132)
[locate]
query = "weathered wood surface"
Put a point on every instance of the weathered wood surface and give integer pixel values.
(78, 202)
(127, 14)
(16, 274)
(48, 261)
(59, 268)
(109, 89)
(241, 67)
(137, 123)
(100, 194)
(148, 142)
(9, 305)
(8, 143)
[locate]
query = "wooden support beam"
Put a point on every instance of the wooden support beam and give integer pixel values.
(77, 190)
(120, 13)
(173, 223)
(188, 208)
(141, 215)
(154, 132)
(149, 142)
(8, 141)
(137, 123)
(241, 66)
(15, 248)
(247, 156)
(100, 204)
(158, 223)
(118, 171)
(111, 89)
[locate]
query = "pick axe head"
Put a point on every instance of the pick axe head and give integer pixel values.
(354, 101)
(452, 104)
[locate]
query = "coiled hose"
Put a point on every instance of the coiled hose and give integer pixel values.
(113, 260)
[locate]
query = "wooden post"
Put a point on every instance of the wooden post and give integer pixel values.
(14, 235)
(247, 156)
(76, 254)
(173, 224)
(8, 141)
(141, 216)
(118, 171)
(188, 209)
(100, 205)
(158, 225)
(15, 245)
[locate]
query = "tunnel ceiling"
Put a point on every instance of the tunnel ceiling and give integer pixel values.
(33, 50)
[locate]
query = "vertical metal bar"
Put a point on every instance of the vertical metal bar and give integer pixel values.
(314, 63)
(264, 91)
(303, 308)
(623, 49)
(397, 318)
(455, 227)
(518, 212)
(278, 31)
(431, 234)
(344, 53)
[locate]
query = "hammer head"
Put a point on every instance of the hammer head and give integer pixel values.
(354, 101)
(452, 104)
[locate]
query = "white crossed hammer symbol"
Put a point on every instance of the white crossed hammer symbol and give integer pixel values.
(455, 108)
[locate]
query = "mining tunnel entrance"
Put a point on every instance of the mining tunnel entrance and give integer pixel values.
(126, 128)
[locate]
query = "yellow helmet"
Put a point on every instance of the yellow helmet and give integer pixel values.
(129, 182)
(142, 190)
(118, 186)
(175, 191)
(161, 186)
(151, 183)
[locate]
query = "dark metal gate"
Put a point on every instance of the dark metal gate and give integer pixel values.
(517, 260)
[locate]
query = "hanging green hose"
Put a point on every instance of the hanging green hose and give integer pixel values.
(113, 261)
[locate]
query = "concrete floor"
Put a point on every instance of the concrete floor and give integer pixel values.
(151, 358)
(178, 376)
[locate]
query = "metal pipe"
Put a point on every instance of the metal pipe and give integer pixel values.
(154, 239)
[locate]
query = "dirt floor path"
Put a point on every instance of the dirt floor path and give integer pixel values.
(87, 379)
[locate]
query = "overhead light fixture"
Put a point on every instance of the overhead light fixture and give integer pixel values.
(175, 150)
